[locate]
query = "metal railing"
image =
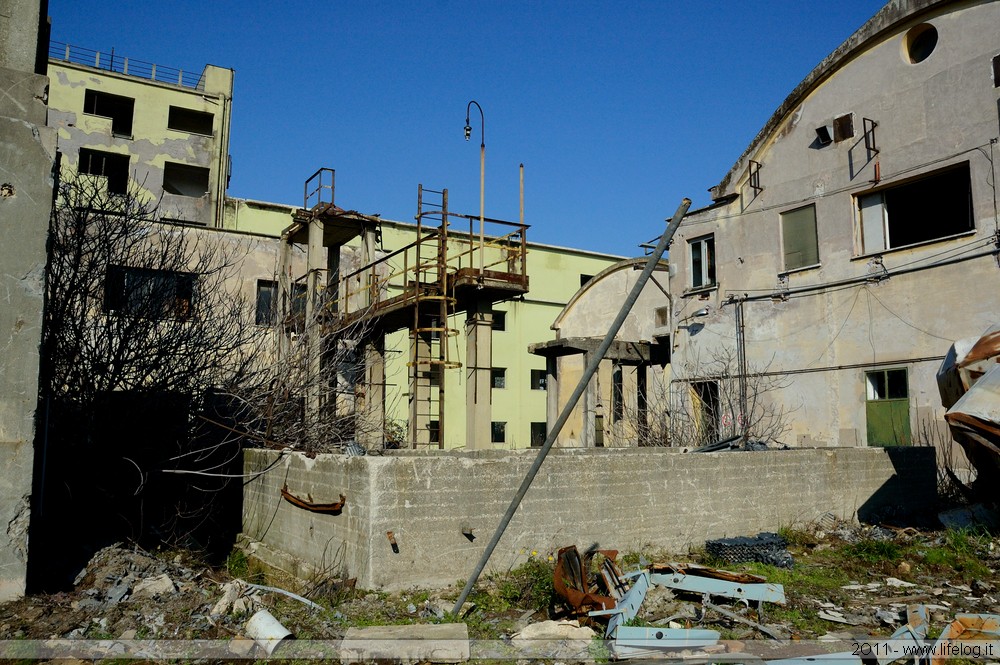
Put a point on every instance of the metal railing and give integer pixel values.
(109, 61)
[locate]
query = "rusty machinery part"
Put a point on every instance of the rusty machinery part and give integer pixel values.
(310, 505)
(580, 590)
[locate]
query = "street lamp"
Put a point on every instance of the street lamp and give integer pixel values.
(482, 177)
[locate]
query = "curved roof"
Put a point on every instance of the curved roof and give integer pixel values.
(890, 17)
(627, 264)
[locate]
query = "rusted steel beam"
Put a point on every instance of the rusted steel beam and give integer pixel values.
(310, 505)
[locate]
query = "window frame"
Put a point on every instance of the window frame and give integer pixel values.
(708, 276)
(498, 431)
(498, 378)
(150, 293)
(177, 115)
(539, 379)
(785, 218)
(93, 105)
(499, 323)
(879, 227)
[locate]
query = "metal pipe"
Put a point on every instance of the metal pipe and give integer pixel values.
(588, 373)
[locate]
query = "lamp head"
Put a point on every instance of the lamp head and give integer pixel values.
(468, 129)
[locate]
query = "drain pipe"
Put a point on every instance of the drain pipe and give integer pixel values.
(589, 372)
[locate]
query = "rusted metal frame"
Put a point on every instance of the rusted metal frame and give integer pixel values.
(570, 581)
(588, 373)
(310, 505)
(442, 313)
(868, 125)
(738, 618)
(318, 190)
(967, 627)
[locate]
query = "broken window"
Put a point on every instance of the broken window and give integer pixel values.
(499, 320)
(538, 434)
(110, 165)
(707, 410)
(434, 431)
(185, 180)
(498, 432)
(498, 377)
(119, 109)
(930, 208)
(887, 407)
(148, 293)
(798, 236)
(702, 254)
(190, 121)
(662, 316)
(598, 431)
(538, 379)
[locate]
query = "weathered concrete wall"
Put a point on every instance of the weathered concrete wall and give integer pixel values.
(627, 499)
(27, 151)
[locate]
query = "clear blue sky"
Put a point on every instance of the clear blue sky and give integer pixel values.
(617, 109)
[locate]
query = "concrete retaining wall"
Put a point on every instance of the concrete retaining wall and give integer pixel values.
(626, 499)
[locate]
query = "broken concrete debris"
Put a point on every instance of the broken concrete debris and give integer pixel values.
(766, 547)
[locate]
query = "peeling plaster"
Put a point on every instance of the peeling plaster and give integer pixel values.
(17, 529)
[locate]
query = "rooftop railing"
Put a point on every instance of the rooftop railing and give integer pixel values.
(109, 61)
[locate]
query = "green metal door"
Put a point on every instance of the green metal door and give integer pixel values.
(887, 407)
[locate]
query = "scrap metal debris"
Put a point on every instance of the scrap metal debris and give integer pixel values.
(308, 504)
(581, 590)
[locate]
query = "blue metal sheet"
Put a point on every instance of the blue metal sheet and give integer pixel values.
(771, 593)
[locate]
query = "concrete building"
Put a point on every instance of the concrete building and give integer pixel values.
(853, 240)
(27, 153)
(164, 130)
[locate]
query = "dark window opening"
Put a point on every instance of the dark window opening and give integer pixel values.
(187, 120)
(662, 316)
(538, 434)
(930, 208)
(843, 127)
(110, 165)
(434, 374)
(499, 320)
(920, 42)
(538, 379)
(119, 109)
(498, 432)
(185, 180)
(585, 279)
(149, 294)
(498, 377)
(707, 410)
(434, 431)
(996, 71)
(598, 431)
(266, 302)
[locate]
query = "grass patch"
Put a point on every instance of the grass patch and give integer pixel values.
(874, 551)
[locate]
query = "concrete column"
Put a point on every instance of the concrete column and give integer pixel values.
(371, 428)
(315, 281)
(552, 404)
(478, 362)
(589, 406)
(27, 152)
(283, 306)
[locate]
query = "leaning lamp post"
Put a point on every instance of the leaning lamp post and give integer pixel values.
(482, 177)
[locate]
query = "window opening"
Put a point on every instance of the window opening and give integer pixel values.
(498, 432)
(190, 121)
(267, 291)
(702, 253)
(798, 237)
(499, 320)
(538, 433)
(498, 377)
(538, 379)
(843, 127)
(707, 410)
(585, 279)
(120, 109)
(434, 431)
(920, 42)
(110, 165)
(927, 209)
(185, 180)
(148, 293)
(598, 431)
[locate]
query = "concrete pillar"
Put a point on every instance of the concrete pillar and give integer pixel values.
(315, 282)
(27, 153)
(371, 425)
(478, 363)
(589, 406)
(552, 405)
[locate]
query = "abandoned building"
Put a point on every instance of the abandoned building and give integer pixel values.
(852, 242)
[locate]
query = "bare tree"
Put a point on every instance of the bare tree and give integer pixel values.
(145, 328)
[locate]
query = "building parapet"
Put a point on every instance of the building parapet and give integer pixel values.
(119, 64)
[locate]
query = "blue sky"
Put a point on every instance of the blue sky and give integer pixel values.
(618, 110)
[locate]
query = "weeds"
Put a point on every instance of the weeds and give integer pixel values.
(874, 551)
